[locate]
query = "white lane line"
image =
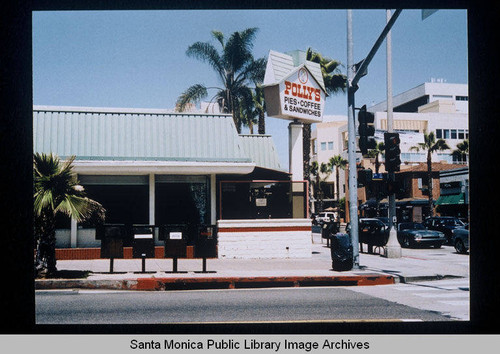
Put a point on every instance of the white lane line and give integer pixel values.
(456, 303)
(445, 283)
(449, 295)
(418, 288)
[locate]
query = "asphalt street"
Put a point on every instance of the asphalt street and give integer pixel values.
(412, 298)
(222, 306)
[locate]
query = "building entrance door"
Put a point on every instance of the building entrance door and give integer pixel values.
(182, 200)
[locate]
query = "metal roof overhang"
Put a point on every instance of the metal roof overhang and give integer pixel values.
(106, 167)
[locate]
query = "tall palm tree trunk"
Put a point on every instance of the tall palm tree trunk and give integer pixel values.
(429, 170)
(262, 123)
(306, 146)
(47, 242)
(337, 182)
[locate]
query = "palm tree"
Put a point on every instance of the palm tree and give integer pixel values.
(235, 67)
(335, 82)
(431, 145)
(56, 190)
(462, 151)
(339, 163)
(379, 150)
(321, 174)
(248, 111)
(260, 107)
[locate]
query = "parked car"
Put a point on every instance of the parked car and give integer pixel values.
(325, 217)
(384, 219)
(445, 224)
(373, 232)
(412, 234)
(461, 239)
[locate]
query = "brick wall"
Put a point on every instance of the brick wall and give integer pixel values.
(417, 192)
(95, 253)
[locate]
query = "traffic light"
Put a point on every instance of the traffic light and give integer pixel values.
(365, 177)
(392, 187)
(366, 130)
(392, 152)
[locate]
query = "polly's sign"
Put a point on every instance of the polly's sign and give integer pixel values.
(296, 95)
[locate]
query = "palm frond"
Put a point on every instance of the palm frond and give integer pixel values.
(79, 208)
(256, 70)
(219, 36)
(238, 50)
(439, 145)
(206, 53)
(43, 200)
(193, 94)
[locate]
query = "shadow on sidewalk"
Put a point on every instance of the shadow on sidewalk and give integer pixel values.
(67, 274)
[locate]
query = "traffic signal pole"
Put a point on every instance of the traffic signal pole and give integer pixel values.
(393, 248)
(351, 146)
(352, 85)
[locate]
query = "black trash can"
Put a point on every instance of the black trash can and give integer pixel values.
(341, 252)
(328, 229)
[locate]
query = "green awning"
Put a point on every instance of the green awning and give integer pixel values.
(451, 199)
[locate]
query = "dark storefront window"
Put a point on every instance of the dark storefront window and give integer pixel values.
(124, 204)
(182, 200)
(262, 200)
(125, 198)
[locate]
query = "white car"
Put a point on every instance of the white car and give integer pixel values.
(325, 217)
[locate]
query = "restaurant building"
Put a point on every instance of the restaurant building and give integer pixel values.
(159, 167)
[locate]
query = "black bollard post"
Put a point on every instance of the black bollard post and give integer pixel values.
(175, 265)
(143, 263)
(111, 262)
(204, 265)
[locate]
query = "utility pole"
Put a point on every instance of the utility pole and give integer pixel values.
(393, 248)
(351, 146)
(352, 85)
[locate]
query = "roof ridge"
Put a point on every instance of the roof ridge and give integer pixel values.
(110, 110)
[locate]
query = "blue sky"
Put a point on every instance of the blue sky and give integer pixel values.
(136, 59)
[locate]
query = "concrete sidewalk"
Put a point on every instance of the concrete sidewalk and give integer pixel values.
(251, 273)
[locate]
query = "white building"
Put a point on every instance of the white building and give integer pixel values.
(411, 100)
(437, 107)
(158, 167)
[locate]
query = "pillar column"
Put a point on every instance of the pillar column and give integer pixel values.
(213, 199)
(295, 149)
(152, 186)
(74, 233)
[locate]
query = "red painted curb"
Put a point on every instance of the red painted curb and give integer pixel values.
(156, 284)
(260, 282)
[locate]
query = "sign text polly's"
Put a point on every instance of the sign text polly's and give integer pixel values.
(301, 97)
(302, 91)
